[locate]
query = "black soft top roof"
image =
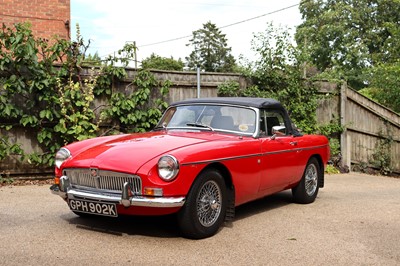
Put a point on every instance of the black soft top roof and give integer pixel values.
(242, 101)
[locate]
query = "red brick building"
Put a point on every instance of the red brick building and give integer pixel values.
(48, 18)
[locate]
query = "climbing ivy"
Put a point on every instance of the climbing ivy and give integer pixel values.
(7, 149)
(46, 87)
(137, 112)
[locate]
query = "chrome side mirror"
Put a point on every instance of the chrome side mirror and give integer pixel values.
(278, 131)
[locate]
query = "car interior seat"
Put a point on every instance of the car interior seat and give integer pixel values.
(222, 122)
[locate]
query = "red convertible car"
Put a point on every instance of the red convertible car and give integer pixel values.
(204, 158)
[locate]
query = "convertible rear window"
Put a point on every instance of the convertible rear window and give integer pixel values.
(210, 117)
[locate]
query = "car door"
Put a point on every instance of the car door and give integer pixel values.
(279, 152)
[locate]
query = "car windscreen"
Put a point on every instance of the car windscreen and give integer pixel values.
(210, 117)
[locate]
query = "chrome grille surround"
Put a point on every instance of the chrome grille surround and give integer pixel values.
(101, 180)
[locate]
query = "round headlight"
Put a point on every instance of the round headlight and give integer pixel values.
(62, 155)
(168, 168)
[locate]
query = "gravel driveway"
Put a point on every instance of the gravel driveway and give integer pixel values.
(354, 221)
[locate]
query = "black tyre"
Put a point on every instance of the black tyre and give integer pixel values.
(307, 190)
(205, 207)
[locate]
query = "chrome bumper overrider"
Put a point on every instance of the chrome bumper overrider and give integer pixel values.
(65, 191)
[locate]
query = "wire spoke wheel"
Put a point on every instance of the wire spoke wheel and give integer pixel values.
(307, 189)
(311, 179)
(205, 207)
(209, 203)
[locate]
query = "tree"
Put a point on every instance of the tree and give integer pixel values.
(348, 37)
(92, 60)
(384, 85)
(277, 73)
(210, 50)
(163, 63)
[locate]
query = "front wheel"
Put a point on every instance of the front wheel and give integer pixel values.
(306, 191)
(205, 207)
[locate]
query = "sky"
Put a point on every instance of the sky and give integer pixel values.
(165, 27)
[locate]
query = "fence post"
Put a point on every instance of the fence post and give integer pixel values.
(345, 141)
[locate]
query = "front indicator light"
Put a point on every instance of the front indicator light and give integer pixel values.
(153, 192)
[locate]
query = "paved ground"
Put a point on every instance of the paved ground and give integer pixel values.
(355, 221)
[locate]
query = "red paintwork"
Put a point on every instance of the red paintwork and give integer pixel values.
(257, 166)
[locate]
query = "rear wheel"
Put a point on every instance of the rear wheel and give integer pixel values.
(205, 207)
(306, 191)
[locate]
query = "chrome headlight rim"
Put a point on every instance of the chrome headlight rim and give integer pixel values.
(168, 168)
(61, 155)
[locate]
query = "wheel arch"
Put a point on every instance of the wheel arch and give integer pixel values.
(222, 169)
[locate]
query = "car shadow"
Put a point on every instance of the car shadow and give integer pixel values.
(154, 226)
(166, 226)
(263, 205)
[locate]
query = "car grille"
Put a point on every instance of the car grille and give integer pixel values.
(106, 181)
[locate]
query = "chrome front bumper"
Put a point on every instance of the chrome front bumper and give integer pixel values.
(65, 191)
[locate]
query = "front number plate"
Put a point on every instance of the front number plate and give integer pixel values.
(93, 207)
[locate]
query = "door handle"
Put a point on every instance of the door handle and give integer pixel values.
(293, 143)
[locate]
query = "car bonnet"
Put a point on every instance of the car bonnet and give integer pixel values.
(130, 152)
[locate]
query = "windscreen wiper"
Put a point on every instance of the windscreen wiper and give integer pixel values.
(199, 125)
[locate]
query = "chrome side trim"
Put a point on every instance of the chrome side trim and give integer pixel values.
(254, 155)
(223, 159)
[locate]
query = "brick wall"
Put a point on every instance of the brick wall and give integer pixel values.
(47, 17)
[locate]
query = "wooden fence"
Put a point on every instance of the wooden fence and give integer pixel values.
(366, 122)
